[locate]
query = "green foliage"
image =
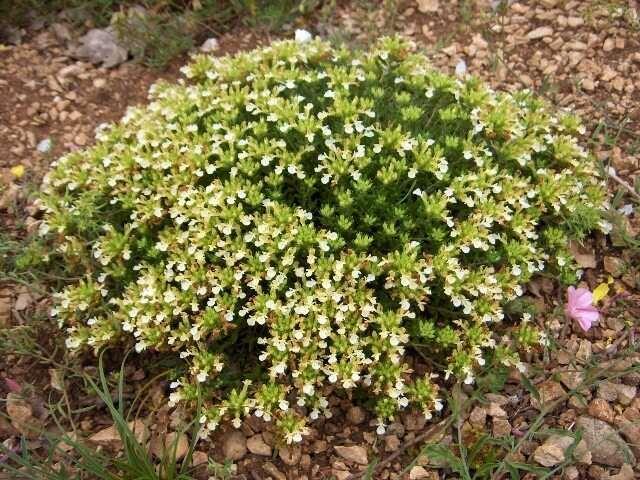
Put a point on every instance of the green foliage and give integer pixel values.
(306, 213)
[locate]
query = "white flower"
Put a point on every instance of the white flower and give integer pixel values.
(626, 210)
(72, 343)
(605, 227)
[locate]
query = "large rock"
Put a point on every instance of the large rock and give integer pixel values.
(101, 47)
(604, 443)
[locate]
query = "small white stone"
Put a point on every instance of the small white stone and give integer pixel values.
(303, 36)
(210, 45)
(44, 146)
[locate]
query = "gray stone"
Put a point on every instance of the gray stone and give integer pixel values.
(101, 47)
(604, 443)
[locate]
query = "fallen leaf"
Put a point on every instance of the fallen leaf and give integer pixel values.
(600, 292)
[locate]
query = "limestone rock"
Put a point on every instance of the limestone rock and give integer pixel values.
(234, 446)
(210, 45)
(354, 453)
(100, 46)
(257, 446)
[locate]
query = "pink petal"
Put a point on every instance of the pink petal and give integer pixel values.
(586, 317)
(581, 298)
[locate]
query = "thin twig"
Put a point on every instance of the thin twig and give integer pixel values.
(613, 348)
(614, 176)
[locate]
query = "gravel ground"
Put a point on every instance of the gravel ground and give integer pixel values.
(583, 55)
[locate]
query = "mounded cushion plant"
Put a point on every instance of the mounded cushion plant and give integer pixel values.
(296, 217)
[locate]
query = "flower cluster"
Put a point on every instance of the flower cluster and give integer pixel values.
(308, 214)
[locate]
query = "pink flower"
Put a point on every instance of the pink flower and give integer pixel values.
(580, 307)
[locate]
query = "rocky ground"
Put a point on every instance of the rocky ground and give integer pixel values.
(583, 55)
